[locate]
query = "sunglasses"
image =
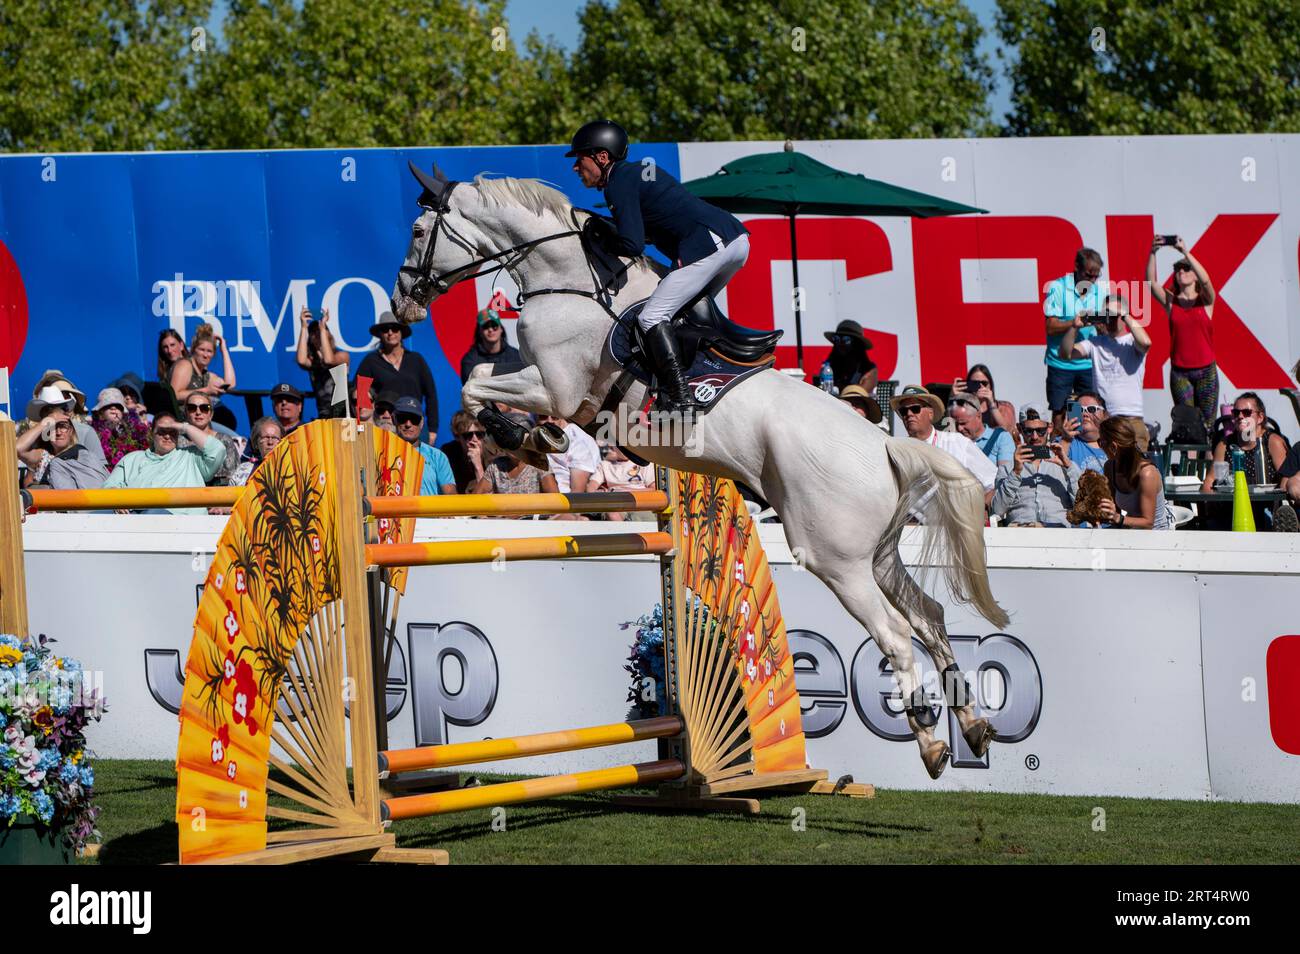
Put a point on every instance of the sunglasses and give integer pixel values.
(1182, 268)
(1091, 408)
(167, 432)
(63, 426)
(1243, 412)
(844, 339)
(470, 435)
(910, 409)
(205, 408)
(414, 419)
(489, 325)
(1035, 431)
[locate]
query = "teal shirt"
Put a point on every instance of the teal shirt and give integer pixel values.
(184, 467)
(437, 471)
(1065, 304)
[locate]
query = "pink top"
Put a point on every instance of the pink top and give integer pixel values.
(1193, 338)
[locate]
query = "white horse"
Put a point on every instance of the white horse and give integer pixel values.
(842, 489)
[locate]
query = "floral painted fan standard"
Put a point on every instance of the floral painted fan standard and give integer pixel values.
(268, 658)
(729, 666)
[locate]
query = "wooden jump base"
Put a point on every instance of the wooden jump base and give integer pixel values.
(303, 595)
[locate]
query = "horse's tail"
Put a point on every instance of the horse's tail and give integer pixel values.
(950, 502)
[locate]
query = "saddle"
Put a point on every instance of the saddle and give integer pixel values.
(717, 352)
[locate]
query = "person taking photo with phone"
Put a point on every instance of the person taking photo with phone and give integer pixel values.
(1118, 352)
(1040, 484)
(1189, 306)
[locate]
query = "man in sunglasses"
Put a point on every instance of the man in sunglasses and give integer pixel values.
(166, 464)
(409, 420)
(286, 404)
(1041, 484)
(489, 346)
(919, 409)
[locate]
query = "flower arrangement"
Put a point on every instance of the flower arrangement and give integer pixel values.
(127, 435)
(45, 705)
(646, 664)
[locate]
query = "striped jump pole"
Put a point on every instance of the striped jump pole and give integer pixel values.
(132, 498)
(542, 743)
(528, 790)
(524, 548)
(510, 505)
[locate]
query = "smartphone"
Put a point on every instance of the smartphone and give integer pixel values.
(1041, 452)
(1075, 410)
(1170, 240)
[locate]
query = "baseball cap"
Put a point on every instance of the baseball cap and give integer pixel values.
(386, 397)
(284, 390)
(1034, 411)
(408, 405)
(487, 316)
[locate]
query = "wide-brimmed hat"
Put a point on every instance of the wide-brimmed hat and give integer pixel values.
(50, 396)
(389, 321)
(856, 393)
(851, 328)
(109, 397)
(66, 386)
(916, 392)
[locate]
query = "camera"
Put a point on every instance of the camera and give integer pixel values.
(1169, 240)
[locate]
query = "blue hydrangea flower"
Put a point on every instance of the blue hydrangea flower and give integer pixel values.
(8, 758)
(69, 774)
(44, 806)
(48, 759)
(9, 806)
(87, 776)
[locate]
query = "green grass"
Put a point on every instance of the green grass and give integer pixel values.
(138, 802)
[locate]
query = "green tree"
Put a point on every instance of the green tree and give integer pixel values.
(772, 69)
(95, 75)
(1132, 67)
(323, 73)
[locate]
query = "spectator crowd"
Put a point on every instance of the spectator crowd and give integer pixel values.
(1031, 460)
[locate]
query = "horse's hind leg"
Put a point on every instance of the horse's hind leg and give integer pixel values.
(856, 587)
(925, 614)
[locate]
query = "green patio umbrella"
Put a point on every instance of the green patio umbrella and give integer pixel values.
(789, 183)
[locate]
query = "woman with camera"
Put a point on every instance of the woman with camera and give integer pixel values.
(1189, 306)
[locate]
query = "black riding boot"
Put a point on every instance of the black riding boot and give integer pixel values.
(674, 393)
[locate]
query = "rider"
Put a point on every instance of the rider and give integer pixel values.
(707, 245)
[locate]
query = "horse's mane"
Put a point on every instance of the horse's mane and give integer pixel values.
(539, 198)
(532, 194)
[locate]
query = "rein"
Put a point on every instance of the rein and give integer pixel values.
(426, 283)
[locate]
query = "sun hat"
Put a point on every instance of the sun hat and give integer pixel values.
(108, 397)
(856, 393)
(50, 396)
(916, 391)
(851, 328)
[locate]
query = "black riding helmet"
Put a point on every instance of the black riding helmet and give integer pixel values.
(600, 134)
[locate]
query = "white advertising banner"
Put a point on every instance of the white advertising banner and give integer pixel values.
(937, 295)
(1152, 665)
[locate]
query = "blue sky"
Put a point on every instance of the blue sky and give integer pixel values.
(559, 19)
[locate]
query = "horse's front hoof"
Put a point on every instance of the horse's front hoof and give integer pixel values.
(935, 758)
(548, 439)
(980, 735)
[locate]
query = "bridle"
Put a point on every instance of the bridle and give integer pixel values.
(427, 284)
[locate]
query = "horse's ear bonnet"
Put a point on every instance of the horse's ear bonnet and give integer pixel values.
(435, 186)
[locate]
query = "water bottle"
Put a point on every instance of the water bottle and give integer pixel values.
(1238, 460)
(826, 380)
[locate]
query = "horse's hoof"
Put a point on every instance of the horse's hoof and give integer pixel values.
(548, 439)
(980, 735)
(935, 758)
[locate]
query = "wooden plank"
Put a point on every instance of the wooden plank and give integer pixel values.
(13, 572)
(747, 783)
(284, 854)
(356, 616)
(411, 856)
(852, 789)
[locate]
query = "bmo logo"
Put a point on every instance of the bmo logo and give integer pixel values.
(1000, 668)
